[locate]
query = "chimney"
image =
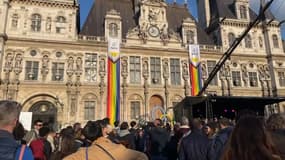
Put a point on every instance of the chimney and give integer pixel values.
(204, 13)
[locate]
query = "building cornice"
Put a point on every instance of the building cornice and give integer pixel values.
(50, 3)
(242, 23)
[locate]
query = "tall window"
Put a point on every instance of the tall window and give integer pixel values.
(253, 79)
(231, 38)
(281, 76)
(155, 69)
(243, 12)
(113, 30)
(247, 40)
(135, 109)
(36, 22)
(91, 67)
(57, 71)
(89, 110)
(15, 19)
(135, 69)
(190, 37)
(32, 70)
(60, 24)
(236, 78)
(275, 41)
(211, 65)
(175, 71)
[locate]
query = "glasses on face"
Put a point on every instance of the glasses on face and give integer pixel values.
(40, 125)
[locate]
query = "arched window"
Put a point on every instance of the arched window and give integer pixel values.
(15, 18)
(243, 12)
(36, 22)
(231, 38)
(113, 30)
(190, 37)
(275, 41)
(248, 43)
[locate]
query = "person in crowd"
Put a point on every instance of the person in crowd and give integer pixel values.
(140, 140)
(102, 147)
(250, 141)
(133, 129)
(218, 143)
(194, 145)
(171, 147)
(116, 129)
(9, 148)
(19, 133)
(50, 139)
(125, 137)
(41, 148)
(79, 139)
(276, 126)
(210, 129)
(158, 138)
(34, 133)
(68, 144)
(76, 127)
(184, 128)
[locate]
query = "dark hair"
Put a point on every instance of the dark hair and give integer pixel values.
(93, 130)
(107, 120)
(37, 121)
(67, 144)
(159, 122)
(133, 123)
(249, 141)
(19, 131)
(44, 131)
(275, 122)
(116, 123)
(124, 126)
(225, 122)
(195, 123)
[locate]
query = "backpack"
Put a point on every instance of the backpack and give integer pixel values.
(23, 152)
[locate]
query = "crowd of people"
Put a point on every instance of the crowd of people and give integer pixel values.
(249, 137)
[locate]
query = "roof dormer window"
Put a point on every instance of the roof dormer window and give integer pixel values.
(243, 12)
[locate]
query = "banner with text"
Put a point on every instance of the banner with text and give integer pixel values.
(195, 69)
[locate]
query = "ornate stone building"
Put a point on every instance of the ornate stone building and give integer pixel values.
(60, 74)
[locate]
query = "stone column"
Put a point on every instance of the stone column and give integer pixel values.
(102, 73)
(124, 73)
(145, 62)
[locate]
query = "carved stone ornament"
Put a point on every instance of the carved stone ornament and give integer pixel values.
(18, 63)
(8, 64)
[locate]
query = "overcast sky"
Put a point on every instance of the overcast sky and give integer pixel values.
(277, 8)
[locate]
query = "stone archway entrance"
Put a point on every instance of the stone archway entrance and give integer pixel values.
(45, 111)
(155, 103)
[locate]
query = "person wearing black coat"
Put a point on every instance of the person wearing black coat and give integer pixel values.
(194, 146)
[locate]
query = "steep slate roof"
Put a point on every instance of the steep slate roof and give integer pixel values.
(94, 24)
(226, 8)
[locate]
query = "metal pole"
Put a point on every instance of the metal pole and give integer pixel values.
(237, 41)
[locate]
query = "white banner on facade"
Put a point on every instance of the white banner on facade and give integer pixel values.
(114, 49)
(26, 120)
(194, 54)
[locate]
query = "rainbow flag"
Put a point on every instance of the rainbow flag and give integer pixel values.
(113, 92)
(195, 69)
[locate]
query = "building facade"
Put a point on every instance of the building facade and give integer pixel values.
(59, 72)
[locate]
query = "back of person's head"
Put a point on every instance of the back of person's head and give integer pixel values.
(19, 131)
(93, 130)
(213, 125)
(158, 122)
(44, 131)
(106, 120)
(124, 126)
(76, 126)
(116, 123)
(195, 124)
(9, 113)
(184, 121)
(68, 132)
(244, 113)
(249, 141)
(133, 124)
(275, 122)
(225, 122)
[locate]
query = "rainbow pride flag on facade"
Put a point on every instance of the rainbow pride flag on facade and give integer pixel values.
(195, 69)
(113, 92)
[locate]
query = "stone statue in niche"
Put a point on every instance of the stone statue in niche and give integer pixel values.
(73, 105)
(102, 65)
(78, 64)
(260, 40)
(166, 69)
(185, 69)
(244, 73)
(45, 61)
(204, 70)
(48, 24)
(70, 62)
(145, 67)
(267, 72)
(18, 61)
(124, 66)
(8, 63)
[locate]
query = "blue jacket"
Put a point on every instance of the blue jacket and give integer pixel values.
(194, 146)
(8, 146)
(28, 154)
